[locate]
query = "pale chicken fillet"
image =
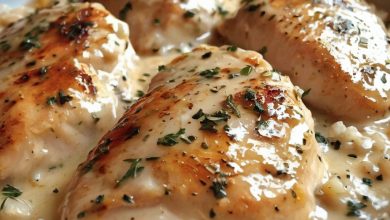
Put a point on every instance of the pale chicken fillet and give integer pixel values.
(160, 26)
(220, 135)
(337, 50)
(62, 74)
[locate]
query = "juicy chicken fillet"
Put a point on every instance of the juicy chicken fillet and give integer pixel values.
(220, 135)
(163, 25)
(61, 74)
(337, 50)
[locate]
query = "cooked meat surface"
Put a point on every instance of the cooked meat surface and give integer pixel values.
(337, 50)
(219, 135)
(61, 86)
(165, 25)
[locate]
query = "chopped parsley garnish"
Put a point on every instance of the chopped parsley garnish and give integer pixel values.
(51, 100)
(140, 93)
(29, 43)
(188, 140)
(99, 199)
(103, 148)
(354, 208)
(212, 213)
(263, 50)
(207, 55)
(132, 172)
(352, 155)
(222, 11)
(123, 12)
(250, 95)
(78, 29)
(188, 14)
(4, 46)
(219, 188)
(210, 73)
(10, 192)
(246, 70)
(233, 106)
(383, 79)
(367, 181)
(42, 71)
(336, 144)
(208, 125)
(305, 93)
(363, 42)
(253, 7)
(232, 48)
(162, 68)
(81, 214)
(63, 98)
(156, 21)
(128, 199)
(320, 139)
(198, 114)
(152, 158)
(171, 139)
(209, 122)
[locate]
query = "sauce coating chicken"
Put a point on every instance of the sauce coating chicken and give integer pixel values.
(220, 135)
(337, 50)
(61, 74)
(163, 25)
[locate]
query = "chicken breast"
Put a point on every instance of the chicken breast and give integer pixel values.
(165, 25)
(220, 135)
(337, 50)
(63, 76)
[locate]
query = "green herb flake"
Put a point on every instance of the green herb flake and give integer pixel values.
(63, 98)
(171, 139)
(161, 68)
(320, 139)
(123, 12)
(219, 188)
(221, 11)
(128, 199)
(246, 70)
(212, 213)
(9, 192)
(99, 199)
(156, 21)
(81, 214)
(383, 78)
(354, 208)
(305, 93)
(231, 48)
(207, 55)
(263, 50)
(198, 114)
(140, 93)
(51, 100)
(208, 125)
(210, 73)
(233, 106)
(367, 181)
(132, 172)
(4, 46)
(188, 14)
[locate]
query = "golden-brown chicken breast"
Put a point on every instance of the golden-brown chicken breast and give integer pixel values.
(163, 25)
(220, 135)
(337, 50)
(63, 76)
